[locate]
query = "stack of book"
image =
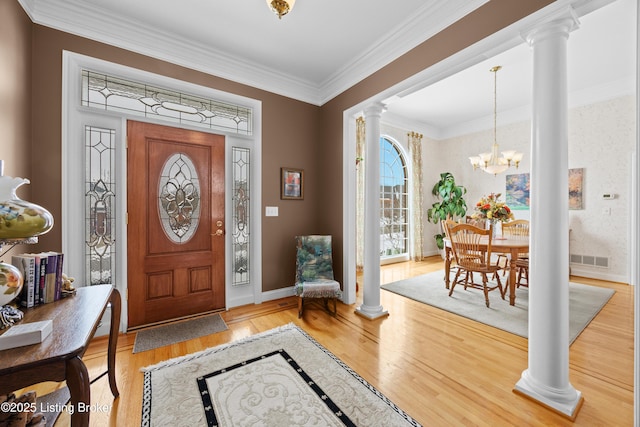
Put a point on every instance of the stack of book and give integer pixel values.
(42, 274)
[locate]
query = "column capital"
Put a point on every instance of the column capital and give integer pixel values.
(375, 109)
(559, 24)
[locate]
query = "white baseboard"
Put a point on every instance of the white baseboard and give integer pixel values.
(278, 293)
(591, 273)
(237, 302)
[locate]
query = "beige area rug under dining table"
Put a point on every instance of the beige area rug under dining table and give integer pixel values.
(585, 302)
(281, 377)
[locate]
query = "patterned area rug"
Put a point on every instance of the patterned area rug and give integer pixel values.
(585, 302)
(281, 377)
(159, 336)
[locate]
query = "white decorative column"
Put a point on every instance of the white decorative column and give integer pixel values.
(547, 378)
(370, 307)
(635, 233)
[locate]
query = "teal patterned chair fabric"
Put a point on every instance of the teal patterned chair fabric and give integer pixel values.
(314, 271)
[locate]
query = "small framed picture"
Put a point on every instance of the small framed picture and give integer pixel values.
(292, 183)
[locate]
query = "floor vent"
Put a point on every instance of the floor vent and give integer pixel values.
(595, 261)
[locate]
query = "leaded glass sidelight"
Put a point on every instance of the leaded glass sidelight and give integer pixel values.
(179, 198)
(100, 201)
(112, 93)
(241, 169)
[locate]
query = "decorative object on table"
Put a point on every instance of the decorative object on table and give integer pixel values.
(517, 191)
(43, 277)
(9, 315)
(576, 178)
(67, 286)
(291, 184)
(11, 281)
(493, 210)
(490, 162)
(281, 377)
(450, 203)
(20, 219)
(26, 334)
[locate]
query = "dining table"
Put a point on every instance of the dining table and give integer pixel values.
(512, 246)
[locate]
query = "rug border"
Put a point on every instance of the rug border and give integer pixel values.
(148, 370)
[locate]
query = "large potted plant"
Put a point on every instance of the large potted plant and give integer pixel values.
(450, 203)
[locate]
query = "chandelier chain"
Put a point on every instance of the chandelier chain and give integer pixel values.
(490, 162)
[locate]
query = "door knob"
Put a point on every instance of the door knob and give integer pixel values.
(219, 232)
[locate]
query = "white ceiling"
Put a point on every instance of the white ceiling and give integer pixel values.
(317, 51)
(601, 65)
(314, 53)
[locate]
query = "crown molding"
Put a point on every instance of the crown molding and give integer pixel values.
(132, 35)
(427, 21)
(74, 17)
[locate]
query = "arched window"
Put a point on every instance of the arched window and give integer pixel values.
(394, 201)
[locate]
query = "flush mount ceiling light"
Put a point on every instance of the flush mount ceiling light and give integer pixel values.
(281, 7)
(490, 162)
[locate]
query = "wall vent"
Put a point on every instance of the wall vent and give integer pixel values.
(591, 260)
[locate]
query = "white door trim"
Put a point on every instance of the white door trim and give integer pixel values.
(74, 116)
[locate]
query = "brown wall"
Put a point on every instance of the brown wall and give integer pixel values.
(289, 138)
(483, 22)
(15, 95)
(15, 92)
(295, 134)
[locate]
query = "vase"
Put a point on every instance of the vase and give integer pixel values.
(494, 228)
(10, 283)
(20, 219)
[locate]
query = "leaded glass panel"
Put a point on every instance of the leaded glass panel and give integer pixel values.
(241, 198)
(179, 198)
(112, 93)
(100, 205)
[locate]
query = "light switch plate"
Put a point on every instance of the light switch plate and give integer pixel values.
(271, 211)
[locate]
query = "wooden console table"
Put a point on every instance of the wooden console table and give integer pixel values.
(58, 357)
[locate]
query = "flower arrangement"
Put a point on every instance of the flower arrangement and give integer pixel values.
(491, 208)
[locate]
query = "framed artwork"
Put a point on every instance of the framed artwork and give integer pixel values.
(291, 184)
(517, 191)
(576, 181)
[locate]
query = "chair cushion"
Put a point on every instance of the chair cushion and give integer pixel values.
(319, 288)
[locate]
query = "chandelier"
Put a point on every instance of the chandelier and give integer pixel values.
(281, 7)
(490, 162)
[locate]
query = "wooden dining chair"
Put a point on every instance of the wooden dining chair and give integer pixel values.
(517, 228)
(478, 222)
(473, 255)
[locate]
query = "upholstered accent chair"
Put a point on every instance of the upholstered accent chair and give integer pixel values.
(314, 272)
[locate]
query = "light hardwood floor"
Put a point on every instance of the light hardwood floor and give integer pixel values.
(444, 370)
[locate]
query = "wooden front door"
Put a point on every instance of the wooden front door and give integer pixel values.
(175, 204)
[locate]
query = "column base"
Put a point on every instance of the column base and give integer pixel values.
(371, 313)
(565, 402)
